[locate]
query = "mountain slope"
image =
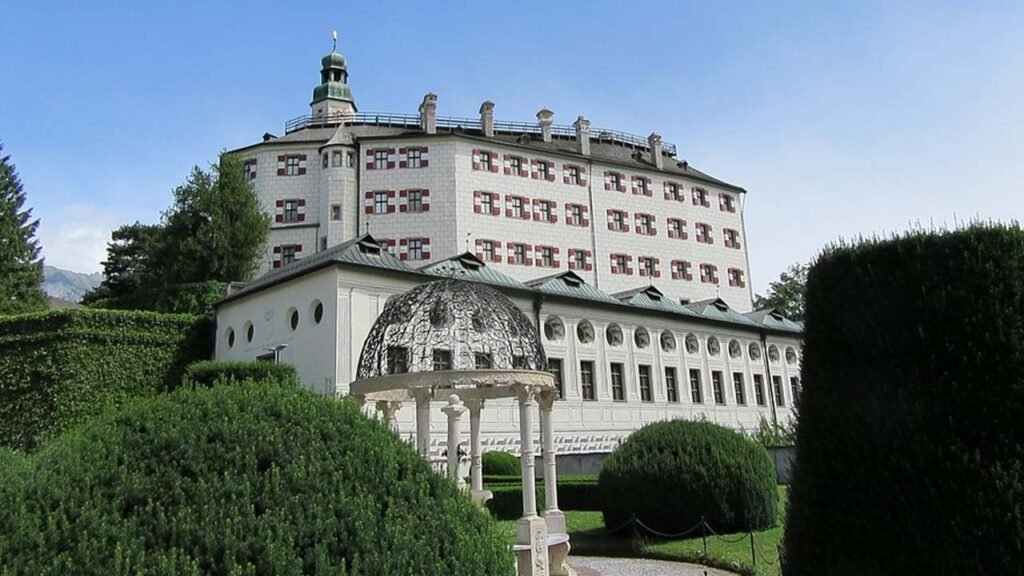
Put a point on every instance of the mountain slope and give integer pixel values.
(68, 285)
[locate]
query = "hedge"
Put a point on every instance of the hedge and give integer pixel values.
(500, 463)
(242, 480)
(59, 367)
(507, 500)
(670, 475)
(910, 443)
(207, 372)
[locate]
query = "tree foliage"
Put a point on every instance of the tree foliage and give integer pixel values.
(21, 268)
(212, 234)
(786, 295)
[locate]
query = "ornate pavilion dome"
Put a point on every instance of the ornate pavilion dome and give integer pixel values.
(450, 325)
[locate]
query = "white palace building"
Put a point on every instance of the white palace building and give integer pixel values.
(632, 263)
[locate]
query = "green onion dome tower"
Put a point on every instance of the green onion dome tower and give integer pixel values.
(333, 98)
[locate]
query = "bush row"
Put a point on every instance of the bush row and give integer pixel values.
(59, 367)
(910, 444)
(208, 372)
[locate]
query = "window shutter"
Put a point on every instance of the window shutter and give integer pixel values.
(497, 252)
(536, 210)
(533, 170)
(477, 203)
(494, 162)
(551, 171)
(508, 206)
(425, 200)
(476, 159)
(588, 255)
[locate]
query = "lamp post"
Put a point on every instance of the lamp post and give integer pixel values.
(277, 351)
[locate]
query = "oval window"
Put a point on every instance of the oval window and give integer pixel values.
(585, 332)
(318, 311)
(668, 342)
(231, 337)
(790, 355)
(755, 351)
(250, 331)
(293, 318)
(691, 344)
(641, 338)
(773, 353)
(614, 335)
(554, 329)
(713, 346)
(735, 350)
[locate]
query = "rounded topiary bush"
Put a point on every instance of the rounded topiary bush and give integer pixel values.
(670, 474)
(497, 463)
(246, 479)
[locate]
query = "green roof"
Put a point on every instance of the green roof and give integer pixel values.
(717, 309)
(467, 266)
(651, 297)
(569, 284)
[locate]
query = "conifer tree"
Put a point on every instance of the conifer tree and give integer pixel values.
(21, 268)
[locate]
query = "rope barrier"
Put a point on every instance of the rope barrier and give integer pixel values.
(723, 538)
(761, 554)
(669, 536)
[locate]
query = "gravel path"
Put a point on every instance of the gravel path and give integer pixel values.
(597, 566)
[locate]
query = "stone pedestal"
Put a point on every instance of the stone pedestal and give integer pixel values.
(531, 547)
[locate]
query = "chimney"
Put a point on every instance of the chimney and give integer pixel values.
(582, 126)
(428, 113)
(487, 118)
(654, 140)
(544, 119)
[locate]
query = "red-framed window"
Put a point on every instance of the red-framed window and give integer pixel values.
(577, 215)
(642, 185)
(648, 266)
(732, 238)
(681, 270)
(614, 181)
(703, 233)
(580, 259)
(489, 250)
(486, 203)
(736, 278)
(645, 224)
(726, 202)
(545, 211)
(677, 228)
(621, 263)
(618, 220)
(700, 197)
(709, 273)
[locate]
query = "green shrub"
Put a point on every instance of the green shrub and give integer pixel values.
(670, 474)
(499, 463)
(507, 500)
(242, 480)
(205, 373)
(578, 493)
(910, 444)
(59, 367)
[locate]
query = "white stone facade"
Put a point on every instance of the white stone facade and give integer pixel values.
(333, 168)
(326, 354)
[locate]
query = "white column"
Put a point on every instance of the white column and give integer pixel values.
(389, 409)
(422, 396)
(476, 482)
(526, 395)
(554, 517)
(454, 411)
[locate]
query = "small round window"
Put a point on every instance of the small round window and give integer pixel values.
(755, 352)
(293, 318)
(250, 331)
(614, 335)
(691, 344)
(668, 342)
(641, 337)
(714, 347)
(790, 355)
(318, 311)
(585, 332)
(735, 350)
(554, 329)
(230, 337)
(773, 353)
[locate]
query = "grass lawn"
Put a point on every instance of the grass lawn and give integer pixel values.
(588, 538)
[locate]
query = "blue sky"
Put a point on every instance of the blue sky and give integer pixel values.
(841, 119)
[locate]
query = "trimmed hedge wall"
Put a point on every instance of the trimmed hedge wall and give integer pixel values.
(910, 444)
(241, 480)
(59, 367)
(671, 474)
(208, 372)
